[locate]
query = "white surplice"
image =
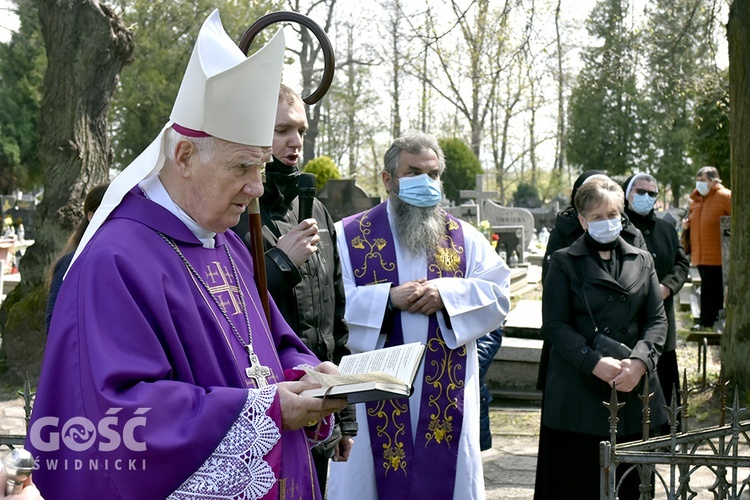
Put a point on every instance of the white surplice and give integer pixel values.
(476, 305)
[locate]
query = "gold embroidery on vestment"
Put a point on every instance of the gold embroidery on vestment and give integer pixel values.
(393, 449)
(361, 242)
(443, 376)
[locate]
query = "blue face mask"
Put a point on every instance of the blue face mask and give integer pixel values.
(642, 204)
(420, 190)
(605, 231)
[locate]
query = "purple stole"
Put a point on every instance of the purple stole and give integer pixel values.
(425, 467)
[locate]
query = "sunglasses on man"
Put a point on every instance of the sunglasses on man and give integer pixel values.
(641, 192)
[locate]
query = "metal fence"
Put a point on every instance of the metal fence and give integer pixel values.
(12, 440)
(666, 464)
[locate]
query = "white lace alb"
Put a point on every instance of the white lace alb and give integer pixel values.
(236, 468)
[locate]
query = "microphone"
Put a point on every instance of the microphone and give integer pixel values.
(17, 465)
(306, 188)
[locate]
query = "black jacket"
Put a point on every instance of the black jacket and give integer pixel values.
(566, 231)
(311, 298)
(672, 265)
(629, 309)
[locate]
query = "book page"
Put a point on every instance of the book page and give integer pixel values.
(327, 380)
(397, 364)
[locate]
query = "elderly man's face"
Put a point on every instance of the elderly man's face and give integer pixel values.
(216, 192)
(410, 165)
(704, 178)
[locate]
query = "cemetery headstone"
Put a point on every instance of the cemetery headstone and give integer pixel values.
(467, 212)
(20, 208)
(478, 195)
(544, 217)
(513, 226)
(342, 198)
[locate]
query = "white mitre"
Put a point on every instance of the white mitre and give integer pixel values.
(223, 94)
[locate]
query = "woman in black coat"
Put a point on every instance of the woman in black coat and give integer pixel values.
(568, 229)
(600, 284)
(672, 267)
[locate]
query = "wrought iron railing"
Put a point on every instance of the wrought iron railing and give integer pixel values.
(667, 464)
(12, 440)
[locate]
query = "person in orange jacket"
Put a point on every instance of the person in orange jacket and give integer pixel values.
(709, 202)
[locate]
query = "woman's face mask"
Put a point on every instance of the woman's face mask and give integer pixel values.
(419, 190)
(642, 204)
(605, 231)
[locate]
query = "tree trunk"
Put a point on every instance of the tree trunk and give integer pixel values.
(395, 20)
(87, 45)
(736, 342)
(560, 136)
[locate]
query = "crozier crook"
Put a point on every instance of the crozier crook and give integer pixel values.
(253, 209)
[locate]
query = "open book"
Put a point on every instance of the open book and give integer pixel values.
(371, 376)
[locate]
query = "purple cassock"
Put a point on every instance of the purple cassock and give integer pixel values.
(144, 391)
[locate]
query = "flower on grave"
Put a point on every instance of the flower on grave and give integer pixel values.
(485, 229)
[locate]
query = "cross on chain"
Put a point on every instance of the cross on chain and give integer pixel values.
(256, 372)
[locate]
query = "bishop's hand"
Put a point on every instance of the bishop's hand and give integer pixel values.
(298, 411)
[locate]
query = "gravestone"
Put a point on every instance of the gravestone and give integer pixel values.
(342, 198)
(545, 215)
(513, 226)
(20, 208)
(478, 195)
(467, 212)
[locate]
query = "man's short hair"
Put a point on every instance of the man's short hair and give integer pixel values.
(711, 172)
(288, 95)
(596, 191)
(414, 143)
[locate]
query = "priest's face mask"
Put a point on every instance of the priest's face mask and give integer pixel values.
(219, 184)
(413, 165)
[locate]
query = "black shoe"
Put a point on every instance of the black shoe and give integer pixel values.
(699, 328)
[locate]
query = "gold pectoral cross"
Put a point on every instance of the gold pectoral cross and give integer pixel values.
(256, 372)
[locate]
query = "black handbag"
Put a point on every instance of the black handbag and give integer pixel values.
(609, 346)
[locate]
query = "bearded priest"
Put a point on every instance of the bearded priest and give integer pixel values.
(413, 273)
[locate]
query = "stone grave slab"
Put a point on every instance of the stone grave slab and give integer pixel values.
(515, 369)
(342, 198)
(514, 226)
(525, 320)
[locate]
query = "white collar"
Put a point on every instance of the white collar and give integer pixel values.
(156, 192)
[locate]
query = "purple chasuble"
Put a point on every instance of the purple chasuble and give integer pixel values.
(426, 466)
(143, 381)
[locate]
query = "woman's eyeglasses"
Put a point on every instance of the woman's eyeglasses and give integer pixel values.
(652, 194)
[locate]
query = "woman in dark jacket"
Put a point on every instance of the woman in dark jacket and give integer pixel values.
(600, 284)
(568, 229)
(672, 266)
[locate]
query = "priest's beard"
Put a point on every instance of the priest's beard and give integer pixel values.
(419, 229)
